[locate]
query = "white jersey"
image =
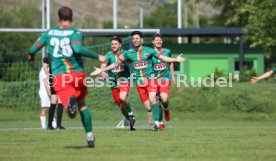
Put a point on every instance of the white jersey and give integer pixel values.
(44, 97)
(42, 76)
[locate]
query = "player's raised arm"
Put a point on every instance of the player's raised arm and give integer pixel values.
(172, 73)
(179, 58)
(38, 44)
(111, 66)
(104, 74)
(79, 49)
(265, 75)
(100, 70)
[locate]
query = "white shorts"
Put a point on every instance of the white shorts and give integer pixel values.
(44, 99)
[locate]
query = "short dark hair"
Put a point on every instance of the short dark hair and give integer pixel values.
(137, 33)
(117, 38)
(46, 60)
(157, 35)
(65, 13)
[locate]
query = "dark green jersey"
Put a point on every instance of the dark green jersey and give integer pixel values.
(119, 73)
(141, 63)
(64, 49)
(162, 69)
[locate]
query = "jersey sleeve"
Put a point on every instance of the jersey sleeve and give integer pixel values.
(152, 52)
(126, 55)
(76, 38)
(169, 53)
(76, 44)
(107, 58)
(39, 43)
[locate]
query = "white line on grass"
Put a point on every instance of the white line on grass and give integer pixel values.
(96, 127)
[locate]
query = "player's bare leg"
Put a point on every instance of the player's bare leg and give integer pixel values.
(149, 112)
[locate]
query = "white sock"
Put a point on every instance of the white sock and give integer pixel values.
(89, 136)
(156, 123)
(54, 123)
(43, 122)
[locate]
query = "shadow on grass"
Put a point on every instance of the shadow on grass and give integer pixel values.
(128, 130)
(77, 147)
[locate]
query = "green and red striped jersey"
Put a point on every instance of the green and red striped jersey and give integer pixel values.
(64, 49)
(162, 69)
(120, 72)
(141, 63)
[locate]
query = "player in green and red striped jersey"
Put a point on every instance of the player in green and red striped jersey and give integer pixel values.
(65, 51)
(164, 75)
(141, 61)
(118, 77)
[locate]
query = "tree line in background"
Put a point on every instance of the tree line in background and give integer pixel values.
(256, 16)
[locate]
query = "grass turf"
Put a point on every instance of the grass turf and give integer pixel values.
(195, 140)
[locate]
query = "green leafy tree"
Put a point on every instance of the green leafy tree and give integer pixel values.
(164, 17)
(257, 16)
(14, 46)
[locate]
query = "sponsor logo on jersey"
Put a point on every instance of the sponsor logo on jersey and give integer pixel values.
(118, 69)
(140, 65)
(160, 66)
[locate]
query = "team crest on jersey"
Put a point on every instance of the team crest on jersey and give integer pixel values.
(159, 67)
(140, 65)
(118, 69)
(147, 55)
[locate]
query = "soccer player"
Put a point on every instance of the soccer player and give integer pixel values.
(141, 61)
(65, 50)
(44, 94)
(54, 99)
(254, 80)
(118, 78)
(164, 75)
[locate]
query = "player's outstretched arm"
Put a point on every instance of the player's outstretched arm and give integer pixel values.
(179, 58)
(265, 75)
(37, 45)
(104, 74)
(111, 66)
(79, 49)
(100, 70)
(172, 74)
